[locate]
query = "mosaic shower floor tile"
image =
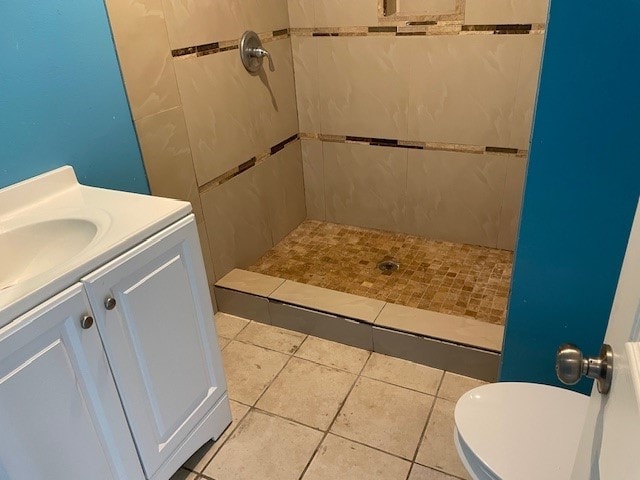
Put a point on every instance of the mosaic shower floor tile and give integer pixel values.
(440, 276)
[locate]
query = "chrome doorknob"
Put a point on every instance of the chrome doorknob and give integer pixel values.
(571, 366)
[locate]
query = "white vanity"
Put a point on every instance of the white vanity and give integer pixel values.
(109, 362)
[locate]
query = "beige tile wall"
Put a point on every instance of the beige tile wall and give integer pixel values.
(204, 21)
(455, 196)
(365, 186)
(461, 89)
(332, 13)
(251, 212)
(197, 117)
(468, 90)
(433, 7)
(232, 115)
(479, 12)
(313, 165)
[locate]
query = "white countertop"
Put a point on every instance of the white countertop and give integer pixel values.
(123, 220)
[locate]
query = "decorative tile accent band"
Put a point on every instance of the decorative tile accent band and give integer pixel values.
(423, 28)
(252, 162)
(412, 28)
(387, 142)
(374, 142)
(217, 47)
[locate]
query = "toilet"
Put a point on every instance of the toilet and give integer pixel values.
(519, 431)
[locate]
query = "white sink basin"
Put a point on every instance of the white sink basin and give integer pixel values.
(35, 248)
(53, 231)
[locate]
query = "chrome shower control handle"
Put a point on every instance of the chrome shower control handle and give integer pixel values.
(258, 52)
(571, 366)
(252, 53)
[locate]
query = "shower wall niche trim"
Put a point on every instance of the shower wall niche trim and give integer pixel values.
(421, 10)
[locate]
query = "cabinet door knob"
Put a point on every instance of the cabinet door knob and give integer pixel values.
(86, 322)
(110, 303)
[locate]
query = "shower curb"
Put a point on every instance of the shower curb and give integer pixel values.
(455, 357)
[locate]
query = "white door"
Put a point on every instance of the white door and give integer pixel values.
(611, 436)
(159, 337)
(60, 415)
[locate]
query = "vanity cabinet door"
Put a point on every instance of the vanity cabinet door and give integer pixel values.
(60, 415)
(155, 317)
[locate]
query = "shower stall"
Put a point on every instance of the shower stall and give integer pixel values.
(382, 157)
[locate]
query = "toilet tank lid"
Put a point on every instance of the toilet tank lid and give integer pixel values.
(522, 430)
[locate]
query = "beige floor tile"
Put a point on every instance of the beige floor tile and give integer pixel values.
(183, 474)
(453, 386)
(341, 459)
(384, 416)
(203, 456)
(223, 342)
(228, 326)
(403, 373)
(418, 472)
(265, 447)
(274, 338)
(333, 354)
(250, 370)
(307, 393)
(437, 449)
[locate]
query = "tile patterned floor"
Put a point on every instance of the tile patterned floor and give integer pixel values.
(445, 277)
(305, 408)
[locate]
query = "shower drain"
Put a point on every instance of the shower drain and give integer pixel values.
(388, 266)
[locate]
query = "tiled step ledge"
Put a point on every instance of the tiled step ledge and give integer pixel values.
(458, 344)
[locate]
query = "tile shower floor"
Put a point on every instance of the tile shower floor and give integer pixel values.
(444, 277)
(306, 408)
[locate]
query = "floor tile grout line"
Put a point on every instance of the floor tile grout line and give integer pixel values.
(426, 424)
(378, 449)
(239, 331)
(271, 382)
(223, 441)
(402, 386)
(326, 433)
(422, 434)
(435, 394)
(248, 342)
(251, 407)
(444, 372)
(439, 470)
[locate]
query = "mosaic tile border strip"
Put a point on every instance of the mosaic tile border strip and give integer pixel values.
(243, 167)
(223, 46)
(423, 28)
(372, 141)
(387, 142)
(408, 28)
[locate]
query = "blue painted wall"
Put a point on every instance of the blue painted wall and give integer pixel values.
(582, 187)
(62, 99)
